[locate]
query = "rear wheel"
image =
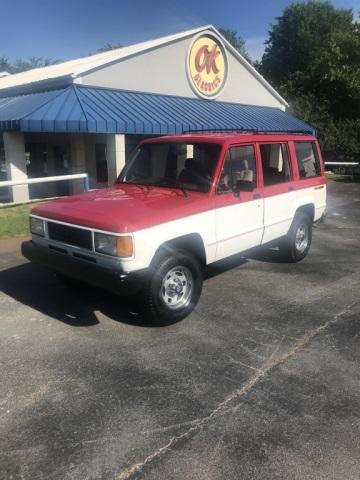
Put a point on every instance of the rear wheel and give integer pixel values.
(297, 242)
(173, 287)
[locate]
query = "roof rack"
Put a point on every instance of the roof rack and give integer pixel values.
(239, 130)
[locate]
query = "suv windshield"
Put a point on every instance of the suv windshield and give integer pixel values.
(188, 166)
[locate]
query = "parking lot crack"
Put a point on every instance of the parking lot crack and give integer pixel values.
(224, 406)
(238, 362)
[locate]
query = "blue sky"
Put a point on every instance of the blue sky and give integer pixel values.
(68, 29)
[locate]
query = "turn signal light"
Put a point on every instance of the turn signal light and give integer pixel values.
(113, 245)
(124, 246)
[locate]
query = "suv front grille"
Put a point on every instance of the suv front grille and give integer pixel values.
(77, 237)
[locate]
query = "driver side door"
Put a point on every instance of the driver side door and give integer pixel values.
(239, 214)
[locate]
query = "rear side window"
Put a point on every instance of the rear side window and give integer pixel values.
(275, 163)
(239, 165)
(307, 159)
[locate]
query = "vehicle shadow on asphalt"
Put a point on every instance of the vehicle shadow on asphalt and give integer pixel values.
(268, 255)
(261, 254)
(222, 266)
(77, 304)
(74, 305)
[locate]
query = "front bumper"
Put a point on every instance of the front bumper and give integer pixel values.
(111, 279)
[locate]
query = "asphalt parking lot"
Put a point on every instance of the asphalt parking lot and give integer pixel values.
(262, 381)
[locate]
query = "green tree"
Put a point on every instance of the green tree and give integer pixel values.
(312, 57)
(236, 41)
(109, 46)
(24, 64)
(21, 65)
(4, 65)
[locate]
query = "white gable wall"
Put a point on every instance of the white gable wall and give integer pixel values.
(163, 70)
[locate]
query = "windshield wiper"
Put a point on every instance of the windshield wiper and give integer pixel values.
(176, 187)
(149, 186)
(142, 186)
(185, 193)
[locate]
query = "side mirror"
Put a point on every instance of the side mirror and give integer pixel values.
(243, 186)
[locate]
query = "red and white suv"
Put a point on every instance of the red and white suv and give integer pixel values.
(181, 203)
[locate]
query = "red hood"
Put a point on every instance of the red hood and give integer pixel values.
(124, 208)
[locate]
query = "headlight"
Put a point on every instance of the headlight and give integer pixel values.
(113, 245)
(37, 226)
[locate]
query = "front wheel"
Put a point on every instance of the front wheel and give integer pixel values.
(297, 242)
(173, 287)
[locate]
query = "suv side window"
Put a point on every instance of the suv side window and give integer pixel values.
(275, 163)
(307, 159)
(239, 164)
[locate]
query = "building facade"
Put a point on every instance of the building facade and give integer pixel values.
(87, 115)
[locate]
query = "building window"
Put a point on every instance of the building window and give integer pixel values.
(36, 160)
(307, 159)
(101, 163)
(61, 167)
(5, 194)
(275, 163)
(3, 175)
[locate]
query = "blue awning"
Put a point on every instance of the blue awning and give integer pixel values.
(87, 109)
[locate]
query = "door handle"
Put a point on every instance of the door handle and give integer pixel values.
(290, 189)
(256, 196)
(319, 188)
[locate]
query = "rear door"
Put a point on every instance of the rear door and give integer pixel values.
(239, 217)
(278, 188)
(311, 181)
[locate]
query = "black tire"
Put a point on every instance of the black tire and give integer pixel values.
(166, 300)
(296, 244)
